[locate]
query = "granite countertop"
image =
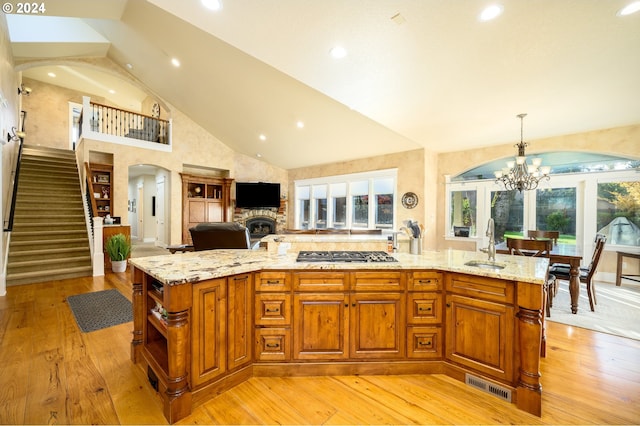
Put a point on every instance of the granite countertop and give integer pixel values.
(322, 238)
(192, 267)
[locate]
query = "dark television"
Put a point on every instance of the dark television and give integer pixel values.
(257, 194)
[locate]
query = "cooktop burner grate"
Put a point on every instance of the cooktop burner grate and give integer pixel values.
(345, 256)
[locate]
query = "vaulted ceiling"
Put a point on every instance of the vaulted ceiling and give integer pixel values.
(417, 73)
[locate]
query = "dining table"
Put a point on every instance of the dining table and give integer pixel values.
(569, 254)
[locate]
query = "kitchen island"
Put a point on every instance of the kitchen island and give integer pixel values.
(206, 321)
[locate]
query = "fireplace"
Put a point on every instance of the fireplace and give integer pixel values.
(260, 226)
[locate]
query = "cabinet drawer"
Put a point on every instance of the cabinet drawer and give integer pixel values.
(273, 309)
(481, 288)
(378, 281)
(273, 344)
(424, 342)
(425, 281)
(320, 281)
(273, 281)
(424, 308)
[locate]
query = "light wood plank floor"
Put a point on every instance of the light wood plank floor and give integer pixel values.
(52, 373)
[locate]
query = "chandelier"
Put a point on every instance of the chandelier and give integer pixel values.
(520, 175)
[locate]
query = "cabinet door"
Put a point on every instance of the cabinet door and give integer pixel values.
(321, 322)
(197, 211)
(239, 301)
(209, 313)
(215, 212)
(378, 325)
(480, 335)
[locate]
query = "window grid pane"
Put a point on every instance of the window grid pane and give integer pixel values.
(360, 217)
(618, 215)
(463, 213)
(507, 211)
(556, 211)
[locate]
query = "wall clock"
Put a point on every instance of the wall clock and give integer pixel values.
(155, 110)
(409, 200)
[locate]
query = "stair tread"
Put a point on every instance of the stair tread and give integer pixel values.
(48, 250)
(40, 273)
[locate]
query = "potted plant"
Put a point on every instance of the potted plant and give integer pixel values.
(118, 247)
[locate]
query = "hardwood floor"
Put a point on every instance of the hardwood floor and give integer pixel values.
(52, 373)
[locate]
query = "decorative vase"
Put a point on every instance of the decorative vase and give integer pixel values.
(118, 265)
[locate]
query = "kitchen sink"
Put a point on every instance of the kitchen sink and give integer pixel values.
(486, 264)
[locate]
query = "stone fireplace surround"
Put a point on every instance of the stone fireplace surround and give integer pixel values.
(266, 215)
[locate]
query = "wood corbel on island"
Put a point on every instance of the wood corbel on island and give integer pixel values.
(283, 318)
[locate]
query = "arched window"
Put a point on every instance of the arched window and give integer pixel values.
(587, 193)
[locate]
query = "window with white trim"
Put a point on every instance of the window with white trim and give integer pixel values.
(359, 200)
(579, 205)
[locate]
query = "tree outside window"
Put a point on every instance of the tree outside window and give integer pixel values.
(618, 214)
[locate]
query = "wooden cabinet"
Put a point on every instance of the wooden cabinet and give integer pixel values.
(204, 199)
(161, 339)
(239, 313)
(339, 316)
(480, 310)
(100, 179)
(193, 339)
(377, 325)
(424, 315)
(322, 326)
(272, 303)
(208, 354)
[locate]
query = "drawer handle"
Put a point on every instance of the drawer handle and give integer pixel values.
(428, 343)
(273, 310)
(273, 281)
(273, 345)
(424, 281)
(424, 309)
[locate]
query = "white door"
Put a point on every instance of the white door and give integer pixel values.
(160, 219)
(140, 213)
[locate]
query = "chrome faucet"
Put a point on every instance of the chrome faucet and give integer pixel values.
(491, 250)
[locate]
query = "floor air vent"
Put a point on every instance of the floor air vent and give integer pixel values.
(488, 387)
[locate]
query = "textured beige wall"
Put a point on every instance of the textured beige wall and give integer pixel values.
(416, 173)
(9, 117)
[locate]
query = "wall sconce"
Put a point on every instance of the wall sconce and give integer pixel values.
(15, 136)
(24, 90)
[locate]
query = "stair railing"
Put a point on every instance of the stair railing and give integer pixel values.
(15, 176)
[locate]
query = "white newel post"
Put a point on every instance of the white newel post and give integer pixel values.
(98, 250)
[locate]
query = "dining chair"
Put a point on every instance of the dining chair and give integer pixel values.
(562, 272)
(551, 235)
(536, 248)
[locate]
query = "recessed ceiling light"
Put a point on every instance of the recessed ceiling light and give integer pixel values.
(338, 52)
(491, 12)
(50, 74)
(112, 91)
(262, 137)
(258, 155)
(300, 124)
(175, 62)
(212, 4)
(130, 66)
(629, 9)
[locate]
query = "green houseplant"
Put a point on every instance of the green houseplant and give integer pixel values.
(118, 248)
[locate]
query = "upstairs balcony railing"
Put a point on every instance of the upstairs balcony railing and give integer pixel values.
(112, 124)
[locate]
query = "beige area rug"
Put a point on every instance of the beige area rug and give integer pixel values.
(617, 311)
(146, 249)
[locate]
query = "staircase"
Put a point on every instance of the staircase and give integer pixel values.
(49, 239)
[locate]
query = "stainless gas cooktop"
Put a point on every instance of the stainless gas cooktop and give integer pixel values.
(345, 256)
